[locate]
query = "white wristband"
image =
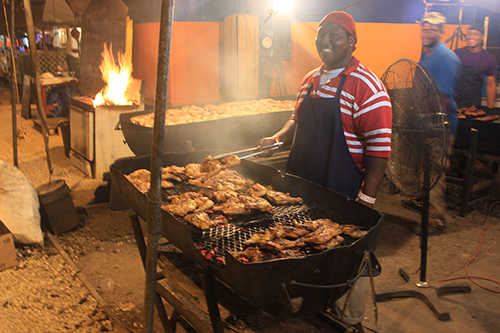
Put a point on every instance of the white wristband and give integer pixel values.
(366, 198)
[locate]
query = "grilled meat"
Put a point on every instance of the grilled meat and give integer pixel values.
(270, 246)
(232, 207)
(322, 235)
(223, 181)
(166, 184)
(203, 203)
(174, 172)
(260, 236)
(193, 170)
(210, 166)
(256, 203)
(281, 198)
(353, 231)
(334, 242)
(230, 161)
(187, 202)
(257, 190)
(140, 179)
(140, 174)
(251, 253)
(313, 225)
(219, 196)
(202, 220)
(295, 232)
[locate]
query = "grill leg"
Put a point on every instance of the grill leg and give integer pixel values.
(168, 326)
(213, 307)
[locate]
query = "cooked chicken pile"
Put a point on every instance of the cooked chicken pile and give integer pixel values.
(192, 113)
(224, 191)
(475, 113)
(285, 241)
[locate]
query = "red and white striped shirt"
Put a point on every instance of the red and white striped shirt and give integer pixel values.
(365, 105)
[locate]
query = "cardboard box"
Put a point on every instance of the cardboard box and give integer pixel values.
(8, 255)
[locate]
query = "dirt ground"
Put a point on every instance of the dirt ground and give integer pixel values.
(94, 282)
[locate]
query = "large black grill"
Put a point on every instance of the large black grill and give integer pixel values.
(271, 284)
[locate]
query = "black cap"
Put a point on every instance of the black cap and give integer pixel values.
(477, 26)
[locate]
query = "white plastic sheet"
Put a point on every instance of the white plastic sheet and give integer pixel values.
(19, 205)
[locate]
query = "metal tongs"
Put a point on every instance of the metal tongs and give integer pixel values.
(249, 152)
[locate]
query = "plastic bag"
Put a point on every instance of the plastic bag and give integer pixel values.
(19, 205)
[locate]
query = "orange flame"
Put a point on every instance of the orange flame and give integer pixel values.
(117, 76)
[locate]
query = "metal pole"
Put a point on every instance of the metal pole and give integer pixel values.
(153, 217)
(41, 111)
(13, 82)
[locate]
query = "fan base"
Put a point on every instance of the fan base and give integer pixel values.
(424, 292)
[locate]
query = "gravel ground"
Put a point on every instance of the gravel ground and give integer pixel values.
(44, 294)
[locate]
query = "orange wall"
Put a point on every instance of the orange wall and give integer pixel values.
(194, 58)
(194, 61)
(379, 46)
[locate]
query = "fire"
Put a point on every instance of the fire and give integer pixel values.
(117, 76)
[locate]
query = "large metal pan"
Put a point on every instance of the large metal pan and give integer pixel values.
(228, 133)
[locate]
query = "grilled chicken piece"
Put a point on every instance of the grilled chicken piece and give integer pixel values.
(295, 232)
(270, 246)
(181, 209)
(313, 225)
(203, 203)
(251, 253)
(334, 242)
(260, 236)
(281, 198)
(141, 186)
(140, 174)
(257, 190)
(256, 203)
(322, 235)
(193, 170)
(174, 172)
(230, 161)
(166, 184)
(140, 179)
(353, 231)
(186, 203)
(202, 220)
(223, 196)
(210, 166)
(232, 207)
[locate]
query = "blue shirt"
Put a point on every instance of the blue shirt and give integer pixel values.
(444, 66)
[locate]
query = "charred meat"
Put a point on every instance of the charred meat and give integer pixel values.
(281, 198)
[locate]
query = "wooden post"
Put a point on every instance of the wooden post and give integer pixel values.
(41, 111)
(13, 82)
(11, 33)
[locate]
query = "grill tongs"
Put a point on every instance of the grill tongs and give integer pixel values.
(249, 152)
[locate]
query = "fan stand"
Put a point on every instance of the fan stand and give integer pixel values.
(420, 287)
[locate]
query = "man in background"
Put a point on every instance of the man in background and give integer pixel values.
(444, 66)
(477, 63)
(73, 51)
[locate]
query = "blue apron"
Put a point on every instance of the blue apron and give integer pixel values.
(319, 150)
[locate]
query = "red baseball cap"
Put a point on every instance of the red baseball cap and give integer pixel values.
(344, 20)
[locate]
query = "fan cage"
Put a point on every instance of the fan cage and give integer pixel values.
(420, 140)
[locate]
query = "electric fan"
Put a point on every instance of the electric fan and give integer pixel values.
(419, 154)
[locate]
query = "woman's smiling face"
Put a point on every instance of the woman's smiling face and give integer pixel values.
(334, 45)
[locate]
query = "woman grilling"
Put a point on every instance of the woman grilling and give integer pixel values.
(341, 129)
